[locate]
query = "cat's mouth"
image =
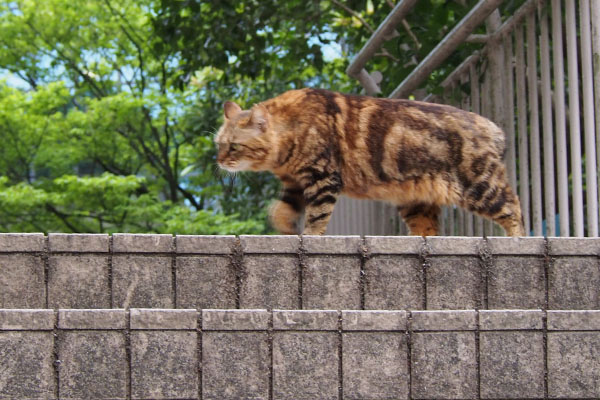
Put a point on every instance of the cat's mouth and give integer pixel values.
(235, 166)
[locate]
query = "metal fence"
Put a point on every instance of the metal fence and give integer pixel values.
(537, 77)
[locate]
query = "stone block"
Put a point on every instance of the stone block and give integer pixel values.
(375, 365)
(374, 320)
(142, 243)
(270, 244)
(407, 245)
(574, 283)
(235, 365)
(205, 282)
(444, 365)
(331, 282)
(454, 283)
(152, 318)
(454, 245)
(22, 281)
(235, 320)
(142, 282)
(516, 283)
(393, 283)
(205, 244)
(78, 242)
(306, 320)
(92, 319)
(455, 320)
(305, 365)
(270, 281)
(38, 320)
(21, 242)
(78, 282)
(164, 365)
(93, 365)
(574, 320)
(332, 244)
(512, 365)
(517, 246)
(574, 365)
(26, 370)
(495, 320)
(571, 246)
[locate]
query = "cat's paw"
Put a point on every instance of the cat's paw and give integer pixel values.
(284, 218)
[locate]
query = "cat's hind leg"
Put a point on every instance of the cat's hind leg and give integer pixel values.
(498, 203)
(286, 212)
(421, 218)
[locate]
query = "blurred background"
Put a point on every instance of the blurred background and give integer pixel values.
(108, 107)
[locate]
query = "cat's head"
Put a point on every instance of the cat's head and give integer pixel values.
(244, 140)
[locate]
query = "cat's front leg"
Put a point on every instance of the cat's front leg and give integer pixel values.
(285, 213)
(320, 199)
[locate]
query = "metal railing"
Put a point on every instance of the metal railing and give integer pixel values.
(543, 91)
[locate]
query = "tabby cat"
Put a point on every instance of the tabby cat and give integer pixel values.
(418, 156)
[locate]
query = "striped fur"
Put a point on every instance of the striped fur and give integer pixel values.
(416, 155)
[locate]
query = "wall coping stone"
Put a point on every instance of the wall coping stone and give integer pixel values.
(394, 244)
(270, 244)
(360, 320)
(78, 242)
(346, 245)
(498, 320)
(306, 320)
(574, 320)
(141, 243)
(205, 244)
(444, 320)
(519, 246)
(103, 319)
(156, 318)
(572, 246)
(238, 320)
(35, 320)
(24, 242)
(454, 245)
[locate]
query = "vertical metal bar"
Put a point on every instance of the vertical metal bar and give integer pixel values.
(588, 118)
(475, 107)
(560, 118)
(509, 106)
(442, 222)
(522, 128)
(574, 125)
(596, 58)
(534, 127)
(466, 105)
(548, 132)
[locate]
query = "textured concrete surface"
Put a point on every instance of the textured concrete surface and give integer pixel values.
(291, 272)
(331, 282)
(78, 282)
(142, 282)
(22, 281)
(205, 282)
(299, 354)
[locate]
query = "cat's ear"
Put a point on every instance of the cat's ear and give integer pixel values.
(259, 117)
(231, 109)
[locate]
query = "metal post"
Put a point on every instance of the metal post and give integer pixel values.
(574, 125)
(548, 131)
(560, 118)
(596, 58)
(522, 128)
(588, 118)
(452, 40)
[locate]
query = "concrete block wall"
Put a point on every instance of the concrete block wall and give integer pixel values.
(291, 272)
(299, 354)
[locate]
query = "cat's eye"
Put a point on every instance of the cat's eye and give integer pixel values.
(234, 146)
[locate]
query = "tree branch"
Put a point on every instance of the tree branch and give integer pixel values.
(353, 13)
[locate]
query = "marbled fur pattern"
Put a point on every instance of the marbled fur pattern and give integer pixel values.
(418, 156)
